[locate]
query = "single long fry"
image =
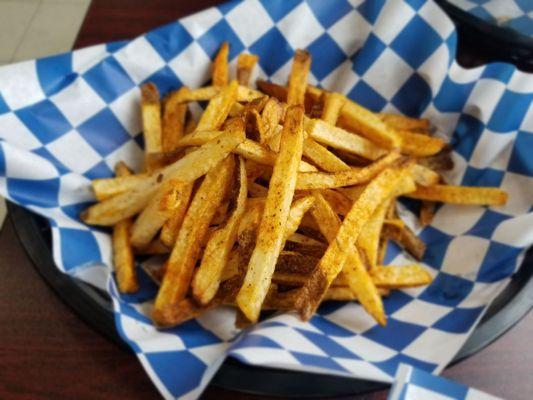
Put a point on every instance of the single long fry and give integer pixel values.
(298, 78)
(245, 66)
(420, 145)
(216, 254)
(296, 213)
(322, 157)
(364, 122)
(482, 196)
(340, 203)
(400, 277)
(186, 170)
(356, 274)
(218, 108)
(173, 122)
(220, 66)
(170, 229)
(424, 176)
(122, 251)
(151, 118)
(368, 243)
(406, 239)
(338, 138)
(353, 176)
(180, 265)
(401, 122)
(332, 107)
(272, 115)
(271, 229)
(332, 262)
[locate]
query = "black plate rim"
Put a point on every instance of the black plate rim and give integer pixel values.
(233, 375)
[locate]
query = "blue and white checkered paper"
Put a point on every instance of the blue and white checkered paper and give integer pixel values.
(514, 14)
(67, 119)
(416, 384)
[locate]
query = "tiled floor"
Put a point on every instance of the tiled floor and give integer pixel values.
(37, 28)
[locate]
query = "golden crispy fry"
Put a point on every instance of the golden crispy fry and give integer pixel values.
(483, 196)
(382, 250)
(338, 138)
(170, 229)
(186, 170)
(151, 118)
(332, 107)
(157, 211)
(180, 265)
(401, 122)
(155, 247)
(340, 203)
(400, 277)
(322, 157)
(353, 176)
(304, 240)
(313, 94)
(272, 115)
(173, 122)
(272, 227)
(257, 190)
(364, 122)
(244, 94)
(331, 264)
(220, 66)
(418, 144)
(424, 176)
(197, 138)
(208, 276)
(427, 212)
(296, 213)
(109, 187)
(368, 243)
(245, 67)
(122, 250)
(406, 239)
(218, 108)
(298, 78)
(358, 279)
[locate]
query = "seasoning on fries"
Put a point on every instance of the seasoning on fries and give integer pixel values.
(277, 198)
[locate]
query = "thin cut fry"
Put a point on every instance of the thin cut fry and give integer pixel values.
(216, 254)
(173, 122)
(368, 243)
(420, 145)
(298, 78)
(322, 157)
(245, 66)
(338, 138)
(332, 107)
(220, 66)
(122, 250)
(271, 229)
(180, 266)
(405, 238)
(151, 118)
(335, 257)
(401, 122)
(296, 213)
(340, 203)
(218, 108)
(400, 277)
(272, 114)
(424, 176)
(170, 229)
(482, 196)
(353, 176)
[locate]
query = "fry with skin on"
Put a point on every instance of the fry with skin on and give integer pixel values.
(220, 66)
(151, 119)
(216, 254)
(271, 229)
(332, 107)
(180, 265)
(322, 157)
(122, 251)
(357, 276)
(186, 170)
(174, 115)
(332, 262)
(245, 67)
(298, 78)
(482, 196)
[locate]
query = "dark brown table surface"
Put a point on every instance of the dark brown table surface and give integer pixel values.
(47, 352)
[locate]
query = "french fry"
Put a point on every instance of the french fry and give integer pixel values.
(420, 145)
(322, 157)
(220, 66)
(332, 262)
(358, 279)
(122, 251)
(173, 123)
(244, 94)
(427, 212)
(151, 118)
(245, 67)
(272, 115)
(298, 78)
(364, 122)
(170, 229)
(218, 108)
(312, 94)
(400, 277)
(296, 213)
(401, 122)
(340, 203)
(186, 170)
(368, 243)
(332, 107)
(424, 176)
(108, 187)
(482, 196)
(353, 176)
(441, 161)
(180, 265)
(271, 229)
(155, 247)
(190, 124)
(338, 138)
(406, 239)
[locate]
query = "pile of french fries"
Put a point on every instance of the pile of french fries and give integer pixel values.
(277, 198)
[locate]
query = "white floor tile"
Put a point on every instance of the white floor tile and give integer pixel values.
(15, 17)
(52, 30)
